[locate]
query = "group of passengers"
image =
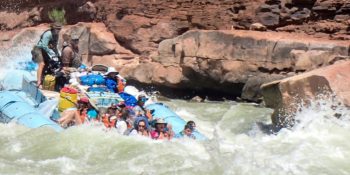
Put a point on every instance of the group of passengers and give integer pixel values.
(136, 121)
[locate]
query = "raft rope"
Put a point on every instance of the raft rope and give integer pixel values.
(3, 108)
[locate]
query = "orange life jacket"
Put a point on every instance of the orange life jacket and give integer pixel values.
(83, 117)
(106, 121)
(120, 86)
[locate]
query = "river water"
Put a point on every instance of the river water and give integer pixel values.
(318, 144)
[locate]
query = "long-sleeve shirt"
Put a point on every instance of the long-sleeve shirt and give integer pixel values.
(44, 44)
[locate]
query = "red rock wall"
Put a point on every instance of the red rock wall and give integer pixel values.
(140, 25)
(140, 30)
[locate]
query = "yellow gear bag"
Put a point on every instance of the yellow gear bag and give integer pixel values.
(68, 98)
(49, 83)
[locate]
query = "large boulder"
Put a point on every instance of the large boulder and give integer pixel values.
(286, 95)
(102, 42)
(11, 20)
(211, 59)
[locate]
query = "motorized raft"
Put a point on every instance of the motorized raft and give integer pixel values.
(34, 108)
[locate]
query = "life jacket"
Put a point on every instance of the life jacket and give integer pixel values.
(155, 135)
(83, 117)
(107, 122)
(115, 84)
(120, 86)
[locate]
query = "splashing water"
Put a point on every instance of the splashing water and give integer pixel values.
(317, 144)
(14, 52)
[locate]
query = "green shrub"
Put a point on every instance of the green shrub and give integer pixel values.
(57, 15)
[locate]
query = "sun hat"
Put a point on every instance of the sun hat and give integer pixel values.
(142, 98)
(56, 25)
(160, 121)
(93, 103)
(111, 70)
(113, 118)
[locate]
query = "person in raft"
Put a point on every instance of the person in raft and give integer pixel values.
(140, 110)
(161, 130)
(72, 116)
(71, 61)
(140, 127)
(192, 124)
(109, 119)
(45, 53)
(84, 111)
(186, 132)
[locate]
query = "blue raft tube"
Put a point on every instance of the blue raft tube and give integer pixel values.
(14, 109)
(163, 111)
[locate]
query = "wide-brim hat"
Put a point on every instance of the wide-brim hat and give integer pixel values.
(111, 71)
(142, 97)
(113, 118)
(56, 25)
(160, 121)
(93, 103)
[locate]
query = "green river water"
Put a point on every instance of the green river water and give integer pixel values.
(319, 144)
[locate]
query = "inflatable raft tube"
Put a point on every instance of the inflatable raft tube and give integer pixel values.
(14, 108)
(178, 124)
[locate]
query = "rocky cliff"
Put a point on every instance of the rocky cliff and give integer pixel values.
(152, 42)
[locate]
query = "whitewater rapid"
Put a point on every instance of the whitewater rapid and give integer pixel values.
(317, 144)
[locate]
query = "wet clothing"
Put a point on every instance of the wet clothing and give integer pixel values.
(157, 135)
(121, 126)
(182, 135)
(45, 51)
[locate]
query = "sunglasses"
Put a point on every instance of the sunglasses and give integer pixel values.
(143, 99)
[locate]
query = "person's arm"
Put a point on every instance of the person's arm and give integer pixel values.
(149, 115)
(77, 118)
(44, 44)
(39, 73)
